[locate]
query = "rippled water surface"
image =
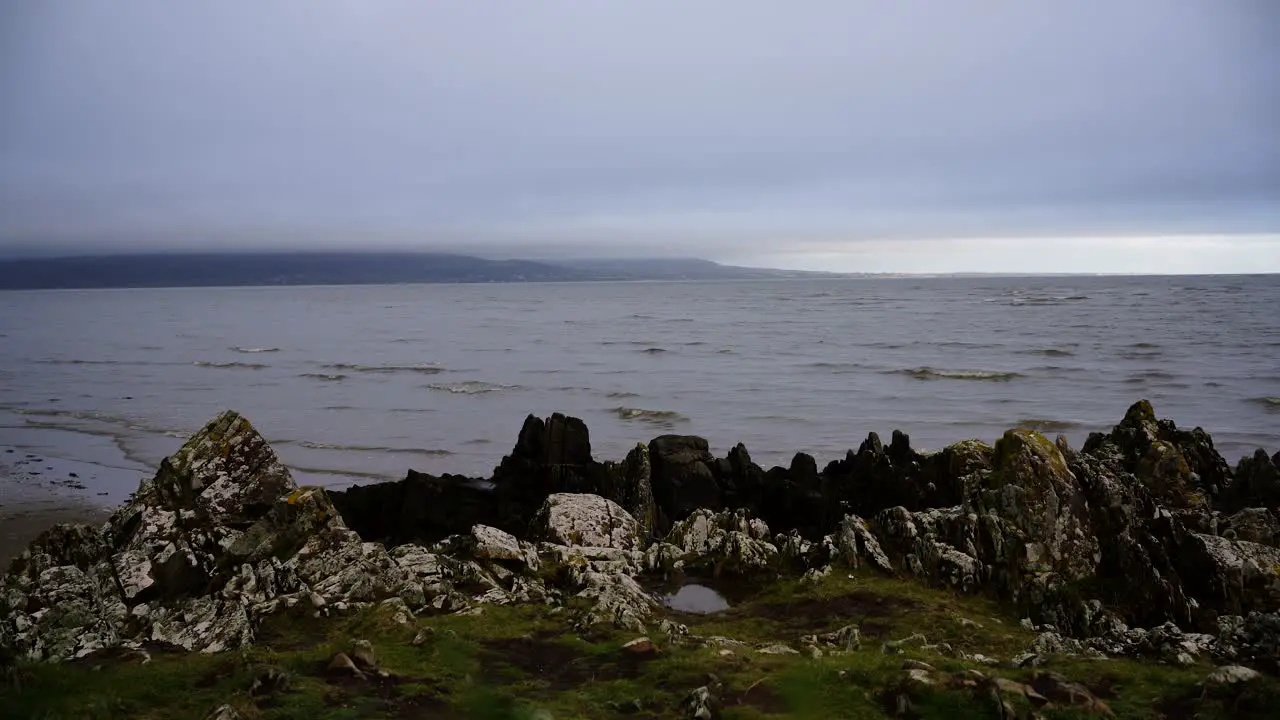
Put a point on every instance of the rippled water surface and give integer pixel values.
(364, 382)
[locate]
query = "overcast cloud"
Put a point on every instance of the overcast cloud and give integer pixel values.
(828, 133)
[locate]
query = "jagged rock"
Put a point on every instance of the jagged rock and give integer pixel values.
(633, 490)
(616, 599)
(590, 520)
(917, 665)
(421, 508)
(922, 540)
(682, 481)
(854, 545)
(1182, 469)
(1237, 576)
(550, 456)
(219, 537)
(1254, 638)
(1256, 525)
(728, 541)
(1044, 513)
(1256, 482)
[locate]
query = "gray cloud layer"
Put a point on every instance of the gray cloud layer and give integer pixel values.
(734, 128)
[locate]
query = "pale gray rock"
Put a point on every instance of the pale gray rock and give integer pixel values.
(731, 541)
(586, 520)
(1231, 675)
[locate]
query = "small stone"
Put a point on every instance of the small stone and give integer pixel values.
(922, 678)
(640, 646)
(269, 682)
(916, 665)
(1231, 675)
(700, 704)
(726, 652)
(629, 707)
(423, 636)
(778, 650)
(341, 664)
(892, 647)
(363, 655)
(224, 712)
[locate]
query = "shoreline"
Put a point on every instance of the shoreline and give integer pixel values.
(41, 491)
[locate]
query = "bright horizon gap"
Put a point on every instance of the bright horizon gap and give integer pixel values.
(1202, 254)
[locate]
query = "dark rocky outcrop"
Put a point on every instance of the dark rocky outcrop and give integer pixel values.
(1145, 527)
(681, 477)
(420, 508)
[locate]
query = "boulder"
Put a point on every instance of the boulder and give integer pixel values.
(586, 520)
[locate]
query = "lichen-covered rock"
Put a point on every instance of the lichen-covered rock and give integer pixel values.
(1256, 525)
(220, 536)
(1046, 515)
(855, 545)
(1238, 577)
(729, 542)
(590, 520)
(923, 542)
(616, 599)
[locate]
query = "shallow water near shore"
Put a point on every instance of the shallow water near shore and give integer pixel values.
(356, 384)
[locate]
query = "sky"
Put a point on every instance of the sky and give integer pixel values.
(849, 135)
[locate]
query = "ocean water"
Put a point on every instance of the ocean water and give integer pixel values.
(352, 384)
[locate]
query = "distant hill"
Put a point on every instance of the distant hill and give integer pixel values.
(326, 268)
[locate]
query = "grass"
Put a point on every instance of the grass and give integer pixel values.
(517, 662)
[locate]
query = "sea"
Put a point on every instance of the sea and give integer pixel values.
(357, 384)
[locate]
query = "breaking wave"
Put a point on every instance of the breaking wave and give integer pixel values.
(364, 448)
(471, 387)
(1271, 403)
(1048, 352)
(328, 377)
(653, 351)
(231, 365)
(384, 369)
(255, 350)
(620, 395)
(664, 418)
(926, 373)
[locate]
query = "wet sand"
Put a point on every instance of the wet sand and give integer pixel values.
(38, 491)
(23, 522)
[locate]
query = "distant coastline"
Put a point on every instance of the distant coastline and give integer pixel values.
(326, 268)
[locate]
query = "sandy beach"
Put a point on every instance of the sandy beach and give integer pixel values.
(38, 491)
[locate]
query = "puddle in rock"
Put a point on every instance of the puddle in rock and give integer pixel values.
(694, 598)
